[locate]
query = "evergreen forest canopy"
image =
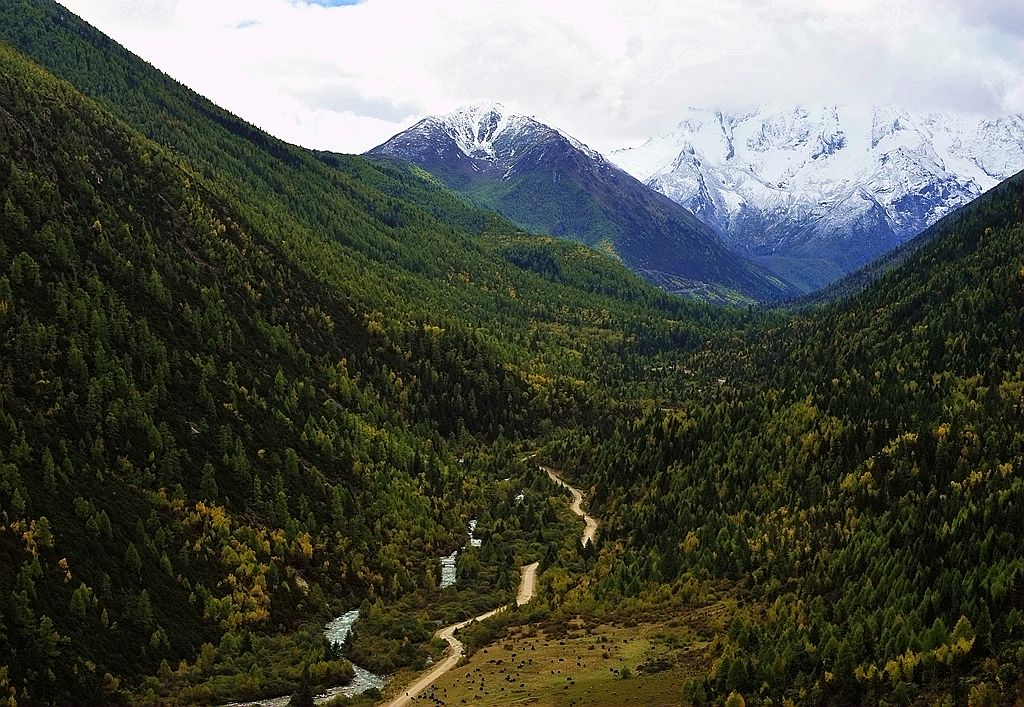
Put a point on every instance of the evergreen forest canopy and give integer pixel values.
(244, 387)
(856, 470)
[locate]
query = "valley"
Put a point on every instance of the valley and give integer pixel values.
(527, 587)
(250, 390)
(523, 595)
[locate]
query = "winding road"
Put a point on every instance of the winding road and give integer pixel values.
(527, 584)
(527, 587)
(590, 531)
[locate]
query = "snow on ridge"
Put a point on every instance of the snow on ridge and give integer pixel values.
(785, 163)
(489, 130)
(588, 151)
(476, 127)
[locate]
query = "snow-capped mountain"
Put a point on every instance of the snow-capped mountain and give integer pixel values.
(549, 182)
(480, 138)
(815, 192)
(485, 131)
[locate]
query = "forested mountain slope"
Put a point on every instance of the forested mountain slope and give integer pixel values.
(410, 234)
(194, 432)
(859, 471)
(233, 392)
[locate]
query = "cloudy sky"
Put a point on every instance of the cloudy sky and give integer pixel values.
(346, 75)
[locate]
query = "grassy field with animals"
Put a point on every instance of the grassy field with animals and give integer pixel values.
(579, 663)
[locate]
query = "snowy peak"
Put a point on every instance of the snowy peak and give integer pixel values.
(488, 138)
(780, 142)
(774, 182)
(476, 128)
(488, 130)
(549, 182)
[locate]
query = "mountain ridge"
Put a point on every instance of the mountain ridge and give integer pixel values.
(826, 187)
(549, 182)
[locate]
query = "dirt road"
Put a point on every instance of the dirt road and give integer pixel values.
(527, 586)
(590, 523)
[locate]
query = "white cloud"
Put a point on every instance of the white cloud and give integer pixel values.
(606, 71)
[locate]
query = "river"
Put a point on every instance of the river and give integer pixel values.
(336, 631)
(448, 574)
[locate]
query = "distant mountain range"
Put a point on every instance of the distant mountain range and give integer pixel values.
(546, 181)
(815, 192)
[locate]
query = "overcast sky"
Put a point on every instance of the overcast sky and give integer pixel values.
(347, 75)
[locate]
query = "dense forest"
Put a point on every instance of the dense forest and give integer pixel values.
(245, 387)
(208, 434)
(857, 470)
